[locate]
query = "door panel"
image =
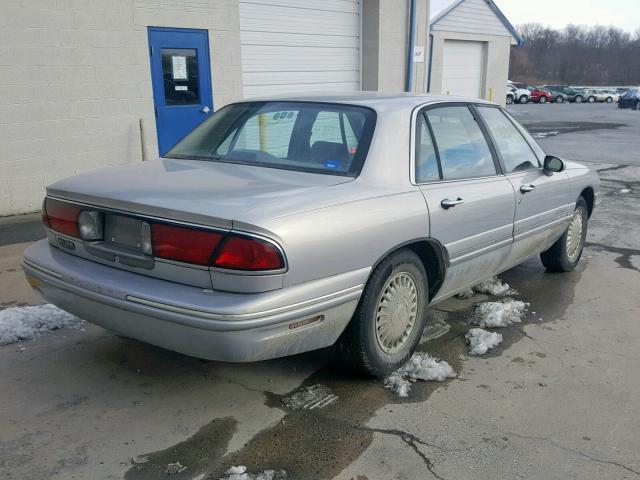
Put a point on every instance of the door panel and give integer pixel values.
(477, 234)
(181, 78)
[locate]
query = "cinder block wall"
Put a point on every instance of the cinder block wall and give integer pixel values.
(385, 41)
(75, 80)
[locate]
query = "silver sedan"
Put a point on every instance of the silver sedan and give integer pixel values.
(282, 226)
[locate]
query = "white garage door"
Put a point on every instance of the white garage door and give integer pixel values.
(463, 68)
(294, 46)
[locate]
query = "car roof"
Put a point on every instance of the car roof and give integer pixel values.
(376, 100)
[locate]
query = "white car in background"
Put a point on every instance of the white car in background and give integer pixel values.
(521, 95)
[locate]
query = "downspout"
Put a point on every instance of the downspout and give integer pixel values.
(430, 61)
(412, 40)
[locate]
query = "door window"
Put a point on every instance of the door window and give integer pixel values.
(514, 150)
(462, 148)
(426, 160)
(180, 75)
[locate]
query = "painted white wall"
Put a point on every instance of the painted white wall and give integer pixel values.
(75, 80)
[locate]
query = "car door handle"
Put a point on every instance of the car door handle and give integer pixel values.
(448, 203)
(527, 188)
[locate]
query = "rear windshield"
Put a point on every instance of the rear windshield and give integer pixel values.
(307, 136)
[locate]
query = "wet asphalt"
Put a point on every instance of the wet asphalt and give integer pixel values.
(557, 399)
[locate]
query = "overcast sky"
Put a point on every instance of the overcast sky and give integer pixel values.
(624, 14)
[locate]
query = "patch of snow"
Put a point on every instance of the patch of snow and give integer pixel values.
(421, 366)
(499, 314)
(625, 190)
(174, 468)
(240, 473)
(310, 398)
(25, 323)
(480, 341)
(466, 293)
(493, 286)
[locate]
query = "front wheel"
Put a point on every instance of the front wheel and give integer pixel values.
(564, 255)
(579, 99)
(509, 100)
(609, 100)
(543, 99)
(523, 99)
(559, 99)
(388, 323)
(591, 99)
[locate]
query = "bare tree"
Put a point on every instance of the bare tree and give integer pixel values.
(576, 55)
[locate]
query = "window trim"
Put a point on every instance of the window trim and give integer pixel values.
(421, 110)
(495, 143)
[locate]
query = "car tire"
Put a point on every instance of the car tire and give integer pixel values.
(543, 99)
(579, 99)
(636, 106)
(591, 99)
(609, 100)
(509, 100)
(559, 99)
(564, 255)
(523, 99)
(363, 344)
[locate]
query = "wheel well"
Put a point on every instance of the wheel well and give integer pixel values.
(433, 258)
(589, 197)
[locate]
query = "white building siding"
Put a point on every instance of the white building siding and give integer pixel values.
(472, 16)
(290, 46)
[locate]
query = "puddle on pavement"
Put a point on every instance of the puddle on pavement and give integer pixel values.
(551, 129)
(312, 444)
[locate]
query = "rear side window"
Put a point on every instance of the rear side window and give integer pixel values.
(306, 136)
(461, 145)
(515, 152)
(426, 160)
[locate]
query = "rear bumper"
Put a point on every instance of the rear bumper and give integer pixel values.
(190, 320)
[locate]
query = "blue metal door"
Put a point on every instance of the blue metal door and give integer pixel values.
(181, 78)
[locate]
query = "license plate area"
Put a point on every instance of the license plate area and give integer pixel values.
(122, 233)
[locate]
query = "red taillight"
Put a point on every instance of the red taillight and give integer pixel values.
(246, 253)
(184, 244)
(61, 217)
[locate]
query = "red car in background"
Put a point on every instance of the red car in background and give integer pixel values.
(540, 96)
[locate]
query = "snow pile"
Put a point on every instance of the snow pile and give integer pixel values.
(240, 473)
(493, 286)
(174, 468)
(464, 294)
(310, 398)
(25, 323)
(499, 314)
(420, 366)
(480, 341)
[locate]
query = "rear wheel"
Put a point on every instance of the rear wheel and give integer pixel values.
(564, 255)
(559, 99)
(636, 106)
(509, 99)
(579, 99)
(609, 99)
(523, 99)
(543, 99)
(591, 99)
(388, 323)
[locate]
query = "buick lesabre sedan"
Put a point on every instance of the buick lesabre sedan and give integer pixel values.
(282, 226)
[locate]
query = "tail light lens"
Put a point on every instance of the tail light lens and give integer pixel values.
(61, 217)
(184, 244)
(247, 253)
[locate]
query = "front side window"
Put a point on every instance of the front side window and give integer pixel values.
(514, 150)
(307, 136)
(462, 148)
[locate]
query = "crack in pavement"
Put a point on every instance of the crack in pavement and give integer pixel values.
(412, 441)
(577, 452)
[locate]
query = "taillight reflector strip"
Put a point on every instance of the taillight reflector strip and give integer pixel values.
(61, 217)
(248, 253)
(184, 244)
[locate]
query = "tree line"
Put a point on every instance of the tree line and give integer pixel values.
(576, 55)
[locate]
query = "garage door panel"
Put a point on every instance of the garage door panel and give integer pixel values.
(462, 70)
(292, 46)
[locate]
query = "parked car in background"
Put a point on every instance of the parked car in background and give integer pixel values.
(522, 95)
(511, 95)
(595, 95)
(563, 93)
(610, 95)
(539, 95)
(282, 226)
(631, 99)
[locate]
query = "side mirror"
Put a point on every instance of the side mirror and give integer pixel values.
(553, 164)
